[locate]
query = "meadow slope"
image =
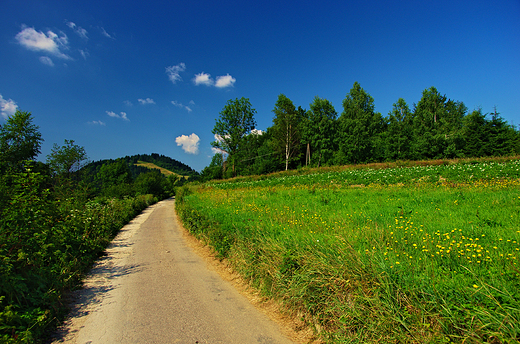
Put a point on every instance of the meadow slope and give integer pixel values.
(403, 254)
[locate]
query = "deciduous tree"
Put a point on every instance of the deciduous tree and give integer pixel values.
(360, 125)
(20, 140)
(236, 120)
(320, 131)
(398, 135)
(66, 159)
(286, 129)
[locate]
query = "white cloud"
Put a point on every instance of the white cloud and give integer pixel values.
(78, 30)
(218, 151)
(47, 61)
(97, 123)
(225, 81)
(257, 132)
(115, 115)
(128, 103)
(104, 33)
(84, 53)
(48, 42)
(221, 81)
(7, 107)
(219, 138)
(203, 79)
(176, 103)
(173, 72)
(190, 143)
(146, 101)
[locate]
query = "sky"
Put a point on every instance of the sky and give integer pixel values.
(132, 77)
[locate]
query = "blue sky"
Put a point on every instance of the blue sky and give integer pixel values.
(124, 78)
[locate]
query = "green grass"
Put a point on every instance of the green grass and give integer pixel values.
(420, 254)
(152, 166)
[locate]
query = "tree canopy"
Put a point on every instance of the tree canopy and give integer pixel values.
(20, 140)
(236, 120)
(436, 127)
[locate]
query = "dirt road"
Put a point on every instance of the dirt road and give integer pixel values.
(152, 288)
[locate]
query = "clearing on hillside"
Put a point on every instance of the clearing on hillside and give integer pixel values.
(163, 170)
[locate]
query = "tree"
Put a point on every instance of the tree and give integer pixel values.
(476, 135)
(114, 179)
(398, 133)
(320, 130)
(214, 169)
(236, 120)
(437, 126)
(150, 183)
(360, 127)
(286, 128)
(503, 138)
(20, 140)
(66, 159)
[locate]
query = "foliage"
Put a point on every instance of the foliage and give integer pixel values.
(286, 129)
(398, 136)
(360, 125)
(66, 159)
(235, 122)
(402, 255)
(436, 128)
(152, 183)
(45, 248)
(114, 179)
(320, 132)
(20, 141)
(55, 221)
(437, 125)
(214, 170)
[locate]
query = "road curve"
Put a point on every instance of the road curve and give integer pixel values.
(152, 288)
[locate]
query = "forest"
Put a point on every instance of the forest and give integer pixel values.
(436, 127)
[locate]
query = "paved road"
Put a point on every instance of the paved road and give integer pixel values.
(152, 288)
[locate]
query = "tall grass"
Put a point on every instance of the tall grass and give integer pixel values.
(429, 258)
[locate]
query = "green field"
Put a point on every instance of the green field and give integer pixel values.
(401, 254)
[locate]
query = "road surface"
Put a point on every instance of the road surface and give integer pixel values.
(153, 288)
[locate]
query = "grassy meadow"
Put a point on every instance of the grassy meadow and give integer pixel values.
(369, 254)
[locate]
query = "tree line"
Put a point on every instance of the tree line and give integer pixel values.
(435, 128)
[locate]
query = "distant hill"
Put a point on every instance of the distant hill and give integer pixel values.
(142, 163)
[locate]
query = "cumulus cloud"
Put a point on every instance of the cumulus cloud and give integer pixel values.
(46, 61)
(146, 101)
(173, 72)
(97, 123)
(257, 132)
(221, 81)
(7, 107)
(225, 81)
(78, 30)
(219, 138)
(190, 143)
(122, 115)
(203, 79)
(176, 103)
(47, 42)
